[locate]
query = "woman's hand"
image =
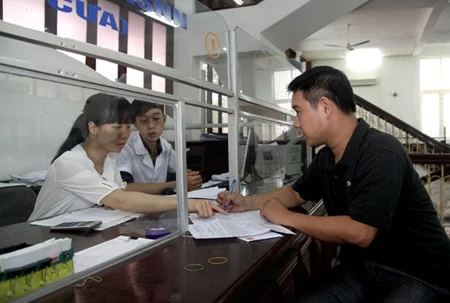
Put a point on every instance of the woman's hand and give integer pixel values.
(204, 208)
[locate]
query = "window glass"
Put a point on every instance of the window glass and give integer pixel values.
(445, 63)
(281, 79)
(430, 110)
(135, 47)
(430, 74)
(210, 74)
(32, 17)
(435, 88)
(447, 114)
(109, 39)
(159, 55)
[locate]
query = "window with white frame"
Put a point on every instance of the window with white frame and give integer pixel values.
(281, 79)
(210, 74)
(435, 97)
(39, 15)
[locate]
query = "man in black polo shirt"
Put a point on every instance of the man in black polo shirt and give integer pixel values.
(393, 247)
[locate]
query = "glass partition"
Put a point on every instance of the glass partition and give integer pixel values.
(262, 73)
(271, 154)
(112, 47)
(167, 33)
(206, 151)
(36, 117)
(201, 50)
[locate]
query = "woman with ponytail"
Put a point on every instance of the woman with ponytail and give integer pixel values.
(84, 172)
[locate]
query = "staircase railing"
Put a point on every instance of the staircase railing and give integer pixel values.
(429, 155)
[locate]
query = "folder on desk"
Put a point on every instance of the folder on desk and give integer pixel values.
(26, 268)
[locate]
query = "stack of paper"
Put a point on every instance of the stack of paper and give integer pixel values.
(221, 177)
(109, 218)
(33, 177)
(34, 254)
(106, 251)
(249, 226)
(210, 183)
(209, 193)
(10, 184)
(23, 270)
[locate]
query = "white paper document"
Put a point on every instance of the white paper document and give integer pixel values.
(209, 193)
(221, 177)
(32, 177)
(210, 183)
(105, 251)
(3, 185)
(34, 253)
(225, 229)
(233, 225)
(267, 235)
(108, 217)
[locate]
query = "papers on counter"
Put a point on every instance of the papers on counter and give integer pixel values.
(267, 235)
(33, 177)
(210, 183)
(246, 224)
(221, 177)
(34, 254)
(4, 185)
(209, 193)
(108, 217)
(106, 251)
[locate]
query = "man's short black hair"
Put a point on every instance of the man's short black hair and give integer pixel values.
(325, 81)
(140, 107)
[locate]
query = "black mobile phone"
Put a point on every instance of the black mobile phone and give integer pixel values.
(77, 226)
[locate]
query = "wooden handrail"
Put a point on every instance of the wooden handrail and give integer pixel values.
(437, 159)
(429, 141)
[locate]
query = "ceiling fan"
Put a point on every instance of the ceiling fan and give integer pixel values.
(349, 46)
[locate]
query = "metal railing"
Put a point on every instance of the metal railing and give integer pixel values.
(431, 158)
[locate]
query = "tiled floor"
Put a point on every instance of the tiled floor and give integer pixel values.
(447, 228)
(434, 191)
(446, 225)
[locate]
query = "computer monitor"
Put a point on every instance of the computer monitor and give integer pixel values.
(249, 173)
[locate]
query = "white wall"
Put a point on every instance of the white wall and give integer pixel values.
(36, 115)
(396, 74)
(189, 49)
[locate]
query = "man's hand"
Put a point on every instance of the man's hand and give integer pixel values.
(204, 208)
(275, 211)
(232, 203)
(194, 180)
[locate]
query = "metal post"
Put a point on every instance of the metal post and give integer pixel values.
(180, 146)
(233, 119)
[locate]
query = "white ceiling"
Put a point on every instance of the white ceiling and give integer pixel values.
(397, 27)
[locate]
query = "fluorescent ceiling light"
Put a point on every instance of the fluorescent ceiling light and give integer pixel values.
(239, 2)
(161, 19)
(364, 58)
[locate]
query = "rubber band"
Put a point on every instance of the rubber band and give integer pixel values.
(193, 267)
(217, 260)
(96, 279)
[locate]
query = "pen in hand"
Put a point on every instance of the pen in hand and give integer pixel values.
(233, 183)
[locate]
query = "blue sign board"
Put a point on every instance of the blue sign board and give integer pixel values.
(91, 13)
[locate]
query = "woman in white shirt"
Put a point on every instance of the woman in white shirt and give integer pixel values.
(84, 172)
(147, 158)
